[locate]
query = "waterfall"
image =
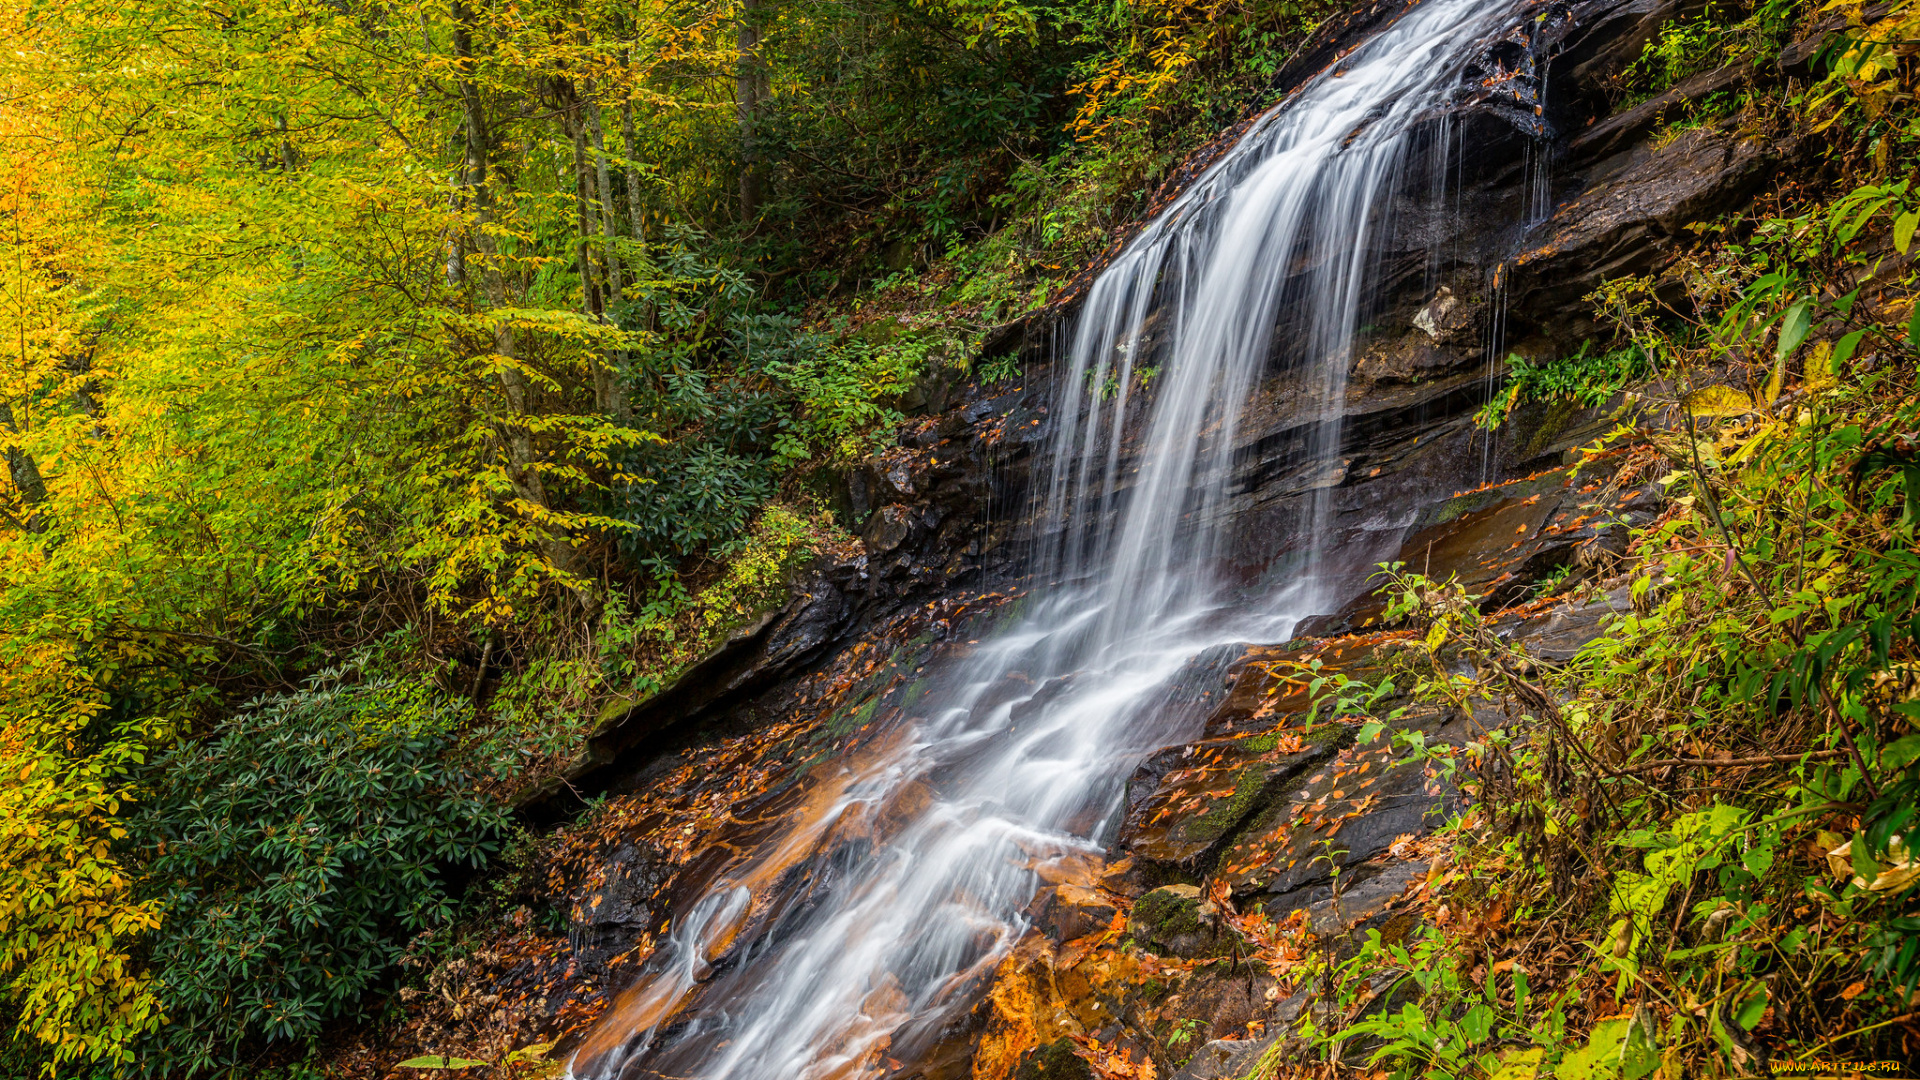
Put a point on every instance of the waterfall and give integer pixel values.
(931, 842)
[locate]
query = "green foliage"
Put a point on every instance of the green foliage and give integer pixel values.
(1720, 34)
(1000, 369)
(845, 392)
(69, 916)
(1451, 1028)
(1682, 848)
(1863, 84)
(1774, 626)
(295, 851)
(440, 1061)
(639, 651)
(1586, 378)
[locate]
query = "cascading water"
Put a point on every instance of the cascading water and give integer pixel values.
(927, 847)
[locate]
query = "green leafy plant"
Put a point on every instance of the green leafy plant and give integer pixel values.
(847, 391)
(1451, 1028)
(1721, 33)
(1000, 369)
(295, 851)
(1586, 378)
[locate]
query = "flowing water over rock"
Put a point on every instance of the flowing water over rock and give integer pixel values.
(923, 852)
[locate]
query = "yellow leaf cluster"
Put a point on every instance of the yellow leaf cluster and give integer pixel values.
(68, 916)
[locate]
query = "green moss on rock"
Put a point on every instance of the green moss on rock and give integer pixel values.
(1054, 1061)
(1177, 920)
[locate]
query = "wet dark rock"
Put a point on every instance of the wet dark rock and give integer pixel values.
(1619, 131)
(1233, 1059)
(1446, 318)
(1222, 1059)
(1630, 218)
(1069, 911)
(627, 904)
(1187, 803)
(768, 647)
(887, 528)
(1562, 631)
(1365, 799)
(1366, 893)
(1217, 998)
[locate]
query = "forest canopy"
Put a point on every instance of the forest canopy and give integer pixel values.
(390, 385)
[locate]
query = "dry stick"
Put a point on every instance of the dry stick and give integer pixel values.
(1857, 1031)
(480, 674)
(1673, 931)
(1770, 759)
(1713, 512)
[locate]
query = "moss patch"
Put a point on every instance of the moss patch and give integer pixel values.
(1054, 1061)
(1174, 909)
(1227, 814)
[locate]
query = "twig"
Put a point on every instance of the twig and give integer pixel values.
(1824, 1043)
(1770, 759)
(1550, 709)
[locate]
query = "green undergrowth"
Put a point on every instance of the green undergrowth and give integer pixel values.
(1148, 98)
(543, 710)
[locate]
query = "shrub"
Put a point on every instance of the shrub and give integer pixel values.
(295, 852)
(1721, 33)
(845, 392)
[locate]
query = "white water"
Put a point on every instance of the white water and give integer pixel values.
(925, 848)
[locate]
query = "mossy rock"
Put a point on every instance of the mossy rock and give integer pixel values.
(1176, 920)
(1054, 1061)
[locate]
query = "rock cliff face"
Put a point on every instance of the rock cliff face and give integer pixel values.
(1548, 193)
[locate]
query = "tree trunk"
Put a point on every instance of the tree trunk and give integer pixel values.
(518, 441)
(616, 399)
(25, 474)
(608, 214)
(592, 298)
(583, 200)
(636, 215)
(749, 86)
